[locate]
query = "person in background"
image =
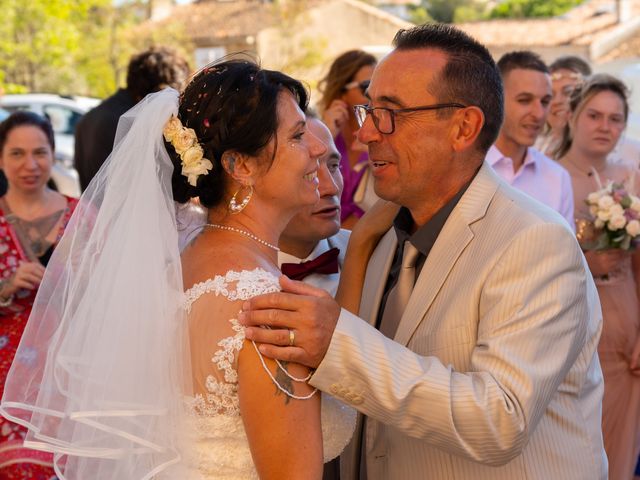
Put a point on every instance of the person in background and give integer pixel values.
(32, 220)
(342, 88)
(312, 246)
(599, 111)
(527, 93)
(566, 72)
(3, 180)
(148, 71)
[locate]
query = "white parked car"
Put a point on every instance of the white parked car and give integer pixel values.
(64, 114)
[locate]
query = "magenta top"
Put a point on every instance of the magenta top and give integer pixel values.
(351, 180)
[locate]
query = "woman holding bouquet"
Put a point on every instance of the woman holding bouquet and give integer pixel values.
(599, 112)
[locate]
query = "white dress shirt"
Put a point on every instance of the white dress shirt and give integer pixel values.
(328, 282)
(539, 177)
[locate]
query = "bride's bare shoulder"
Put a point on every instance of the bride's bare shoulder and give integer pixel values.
(202, 261)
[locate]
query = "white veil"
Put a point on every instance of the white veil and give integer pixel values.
(102, 370)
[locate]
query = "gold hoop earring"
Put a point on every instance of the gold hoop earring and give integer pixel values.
(234, 206)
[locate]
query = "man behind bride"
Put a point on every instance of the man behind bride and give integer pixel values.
(313, 245)
(474, 352)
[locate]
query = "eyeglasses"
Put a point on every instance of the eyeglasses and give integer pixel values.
(384, 118)
(363, 85)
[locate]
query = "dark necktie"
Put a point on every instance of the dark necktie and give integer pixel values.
(326, 263)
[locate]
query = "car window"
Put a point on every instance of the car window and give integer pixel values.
(63, 120)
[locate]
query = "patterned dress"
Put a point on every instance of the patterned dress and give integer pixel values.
(17, 462)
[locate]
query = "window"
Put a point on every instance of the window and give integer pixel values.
(63, 120)
(204, 56)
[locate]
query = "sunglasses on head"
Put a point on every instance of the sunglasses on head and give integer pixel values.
(363, 85)
(572, 75)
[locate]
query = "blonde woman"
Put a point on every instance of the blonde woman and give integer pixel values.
(599, 112)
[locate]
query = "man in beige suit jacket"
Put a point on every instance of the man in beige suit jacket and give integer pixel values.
(492, 372)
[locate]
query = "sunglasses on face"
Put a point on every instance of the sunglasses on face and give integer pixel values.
(363, 85)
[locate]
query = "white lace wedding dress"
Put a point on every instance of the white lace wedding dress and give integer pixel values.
(222, 445)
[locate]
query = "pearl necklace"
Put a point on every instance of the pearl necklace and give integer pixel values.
(243, 232)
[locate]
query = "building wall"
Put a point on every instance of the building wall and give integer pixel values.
(322, 33)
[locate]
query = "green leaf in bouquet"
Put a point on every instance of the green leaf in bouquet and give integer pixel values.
(602, 242)
(617, 239)
(626, 201)
(625, 244)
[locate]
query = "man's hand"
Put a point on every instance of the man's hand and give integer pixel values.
(309, 312)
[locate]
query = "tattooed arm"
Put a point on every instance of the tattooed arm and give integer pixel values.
(284, 433)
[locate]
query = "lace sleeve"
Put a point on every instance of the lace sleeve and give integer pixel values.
(217, 337)
(235, 403)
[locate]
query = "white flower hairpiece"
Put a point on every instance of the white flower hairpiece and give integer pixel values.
(185, 143)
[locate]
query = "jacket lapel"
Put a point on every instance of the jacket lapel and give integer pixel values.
(452, 240)
(376, 277)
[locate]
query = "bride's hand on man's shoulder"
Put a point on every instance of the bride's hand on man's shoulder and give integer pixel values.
(375, 222)
(301, 319)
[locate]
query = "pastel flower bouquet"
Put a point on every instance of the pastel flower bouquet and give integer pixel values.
(616, 219)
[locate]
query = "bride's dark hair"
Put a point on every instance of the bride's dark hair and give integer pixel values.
(231, 105)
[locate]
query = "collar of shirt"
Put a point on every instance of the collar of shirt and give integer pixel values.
(425, 237)
(504, 165)
(321, 247)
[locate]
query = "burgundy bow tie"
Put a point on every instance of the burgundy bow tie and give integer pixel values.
(326, 263)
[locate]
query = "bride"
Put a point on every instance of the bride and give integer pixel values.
(133, 365)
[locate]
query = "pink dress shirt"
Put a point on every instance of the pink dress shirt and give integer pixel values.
(539, 177)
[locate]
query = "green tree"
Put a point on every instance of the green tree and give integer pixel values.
(76, 46)
(418, 15)
(533, 8)
(39, 41)
(124, 32)
(471, 13)
(444, 10)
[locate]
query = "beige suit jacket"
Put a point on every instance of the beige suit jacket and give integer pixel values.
(493, 372)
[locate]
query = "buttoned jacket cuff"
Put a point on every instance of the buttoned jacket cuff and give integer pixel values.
(330, 376)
